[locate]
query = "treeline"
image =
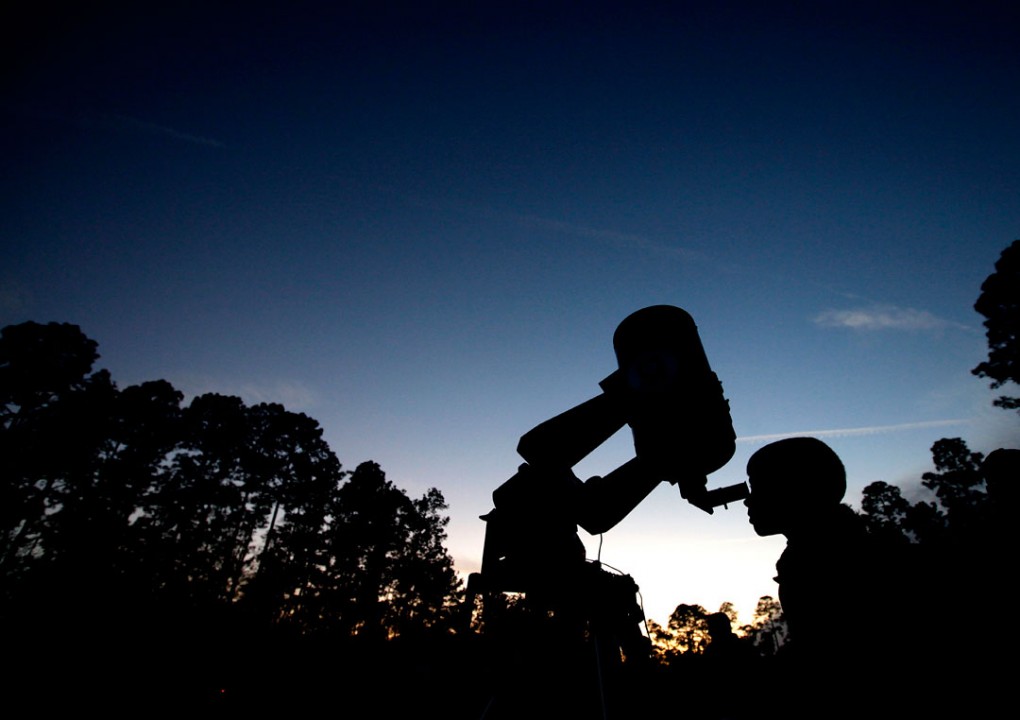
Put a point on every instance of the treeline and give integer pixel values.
(689, 630)
(131, 519)
(965, 506)
(199, 554)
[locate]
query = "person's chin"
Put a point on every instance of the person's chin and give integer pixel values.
(764, 530)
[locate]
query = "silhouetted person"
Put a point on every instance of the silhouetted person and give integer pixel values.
(796, 488)
(725, 643)
(859, 613)
(730, 662)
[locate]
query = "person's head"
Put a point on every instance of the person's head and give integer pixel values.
(1001, 470)
(793, 481)
(719, 625)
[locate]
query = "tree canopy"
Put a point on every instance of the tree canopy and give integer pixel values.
(960, 507)
(212, 504)
(999, 302)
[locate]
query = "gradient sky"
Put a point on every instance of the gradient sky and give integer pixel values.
(420, 224)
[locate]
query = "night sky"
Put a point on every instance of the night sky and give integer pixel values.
(420, 224)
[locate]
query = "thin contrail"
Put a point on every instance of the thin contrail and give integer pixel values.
(109, 121)
(851, 432)
(612, 237)
(126, 121)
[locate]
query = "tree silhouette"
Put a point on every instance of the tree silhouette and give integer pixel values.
(914, 547)
(960, 508)
(199, 520)
(662, 646)
(180, 538)
(957, 482)
(117, 503)
(93, 534)
(685, 632)
(426, 583)
(885, 512)
(689, 625)
(55, 417)
(300, 476)
(727, 608)
(388, 572)
(768, 627)
(892, 521)
(999, 302)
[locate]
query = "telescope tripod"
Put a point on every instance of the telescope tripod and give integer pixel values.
(572, 645)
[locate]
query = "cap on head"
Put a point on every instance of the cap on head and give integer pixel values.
(804, 468)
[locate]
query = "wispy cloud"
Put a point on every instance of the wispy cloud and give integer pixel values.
(125, 122)
(614, 237)
(885, 317)
(852, 432)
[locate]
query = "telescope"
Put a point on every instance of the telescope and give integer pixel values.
(665, 391)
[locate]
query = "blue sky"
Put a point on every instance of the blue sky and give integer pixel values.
(420, 224)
